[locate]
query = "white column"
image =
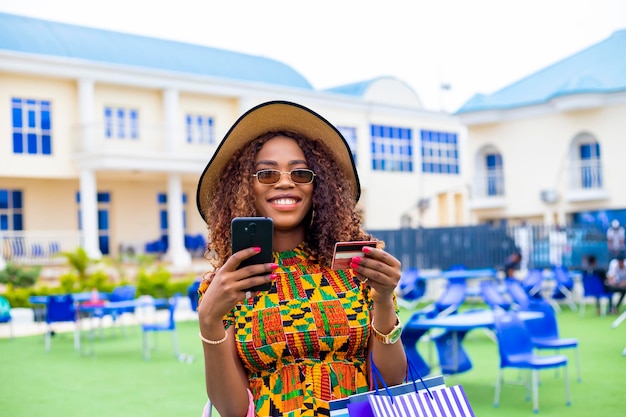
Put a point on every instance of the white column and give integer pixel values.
(86, 115)
(170, 116)
(176, 252)
(89, 213)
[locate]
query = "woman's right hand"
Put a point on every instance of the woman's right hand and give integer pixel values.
(229, 285)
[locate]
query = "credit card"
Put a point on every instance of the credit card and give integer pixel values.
(345, 251)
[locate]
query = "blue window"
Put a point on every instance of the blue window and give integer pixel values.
(495, 176)
(11, 210)
(392, 149)
(349, 133)
(200, 129)
(32, 126)
(590, 165)
(440, 153)
(121, 123)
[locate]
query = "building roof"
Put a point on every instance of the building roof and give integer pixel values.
(35, 36)
(357, 89)
(599, 69)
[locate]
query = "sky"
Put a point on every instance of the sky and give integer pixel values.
(472, 46)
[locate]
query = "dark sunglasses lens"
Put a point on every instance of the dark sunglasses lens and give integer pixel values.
(268, 176)
(301, 176)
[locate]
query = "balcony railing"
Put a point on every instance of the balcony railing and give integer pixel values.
(37, 248)
(585, 175)
(488, 184)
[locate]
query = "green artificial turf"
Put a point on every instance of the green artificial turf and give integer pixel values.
(117, 381)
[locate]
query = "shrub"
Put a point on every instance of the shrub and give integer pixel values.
(19, 276)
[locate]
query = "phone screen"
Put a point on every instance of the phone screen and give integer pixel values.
(247, 232)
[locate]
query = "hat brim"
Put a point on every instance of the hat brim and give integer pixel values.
(274, 116)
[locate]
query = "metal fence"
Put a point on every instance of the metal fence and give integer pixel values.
(485, 246)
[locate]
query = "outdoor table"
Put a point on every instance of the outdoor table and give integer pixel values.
(111, 307)
(459, 325)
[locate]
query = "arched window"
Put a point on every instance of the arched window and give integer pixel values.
(586, 163)
(489, 180)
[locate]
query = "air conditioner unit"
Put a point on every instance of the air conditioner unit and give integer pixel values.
(549, 196)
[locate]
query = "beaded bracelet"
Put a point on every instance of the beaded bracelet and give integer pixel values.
(213, 342)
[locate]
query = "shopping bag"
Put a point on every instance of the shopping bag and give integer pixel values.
(445, 402)
(358, 404)
(441, 402)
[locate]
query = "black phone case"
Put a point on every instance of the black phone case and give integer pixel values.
(247, 232)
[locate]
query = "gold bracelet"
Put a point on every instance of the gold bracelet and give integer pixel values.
(213, 342)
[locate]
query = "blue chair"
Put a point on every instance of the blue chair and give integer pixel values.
(5, 314)
(409, 341)
(168, 326)
(411, 288)
(544, 332)
(593, 286)
(194, 296)
(533, 283)
(564, 285)
(516, 350)
(493, 297)
(59, 309)
(518, 295)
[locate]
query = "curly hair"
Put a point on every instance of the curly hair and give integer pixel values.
(334, 216)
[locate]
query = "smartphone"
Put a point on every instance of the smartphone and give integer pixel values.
(247, 232)
(345, 251)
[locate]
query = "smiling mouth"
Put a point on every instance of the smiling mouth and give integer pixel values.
(284, 201)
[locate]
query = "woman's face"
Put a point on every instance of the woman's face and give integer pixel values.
(285, 202)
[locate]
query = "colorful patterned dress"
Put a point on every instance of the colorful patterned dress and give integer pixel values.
(304, 342)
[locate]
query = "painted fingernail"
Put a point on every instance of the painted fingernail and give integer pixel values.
(274, 266)
(353, 265)
(356, 260)
(273, 277)
(366, 249)
(257, 249)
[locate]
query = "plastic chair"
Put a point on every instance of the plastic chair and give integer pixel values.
(533, 283)
(168, 326)
(516, 291)
(563, 288)
(5, 314)
(192, 293)
(409, 342)
(411, 288)
(61, 308)
(516, 351)
(544, 332)
(594, 287)
(493, 297)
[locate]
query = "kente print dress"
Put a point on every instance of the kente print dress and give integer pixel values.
(304, 342)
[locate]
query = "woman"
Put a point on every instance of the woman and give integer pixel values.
(306, 341)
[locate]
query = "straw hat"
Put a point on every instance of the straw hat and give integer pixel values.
(275, 116)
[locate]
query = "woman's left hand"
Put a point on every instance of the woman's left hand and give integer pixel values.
(379, 270)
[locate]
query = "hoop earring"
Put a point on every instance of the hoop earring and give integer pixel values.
(312, 217)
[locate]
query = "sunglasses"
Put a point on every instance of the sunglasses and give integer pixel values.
(297, 176)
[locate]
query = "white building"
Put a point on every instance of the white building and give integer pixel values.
(551, 148)
(103, 136)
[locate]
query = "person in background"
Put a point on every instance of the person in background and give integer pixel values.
(290, 350)
(616, 277)
(615, 239)
(593, 271)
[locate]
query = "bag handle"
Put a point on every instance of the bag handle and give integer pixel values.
(411, 371)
